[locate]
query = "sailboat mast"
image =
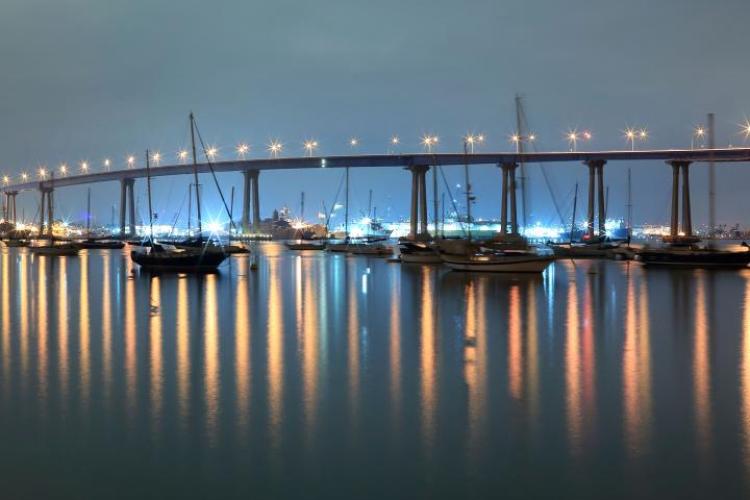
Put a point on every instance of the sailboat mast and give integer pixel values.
(573, 220)
(195, 174)
(521, 137)
(190, 207)
(148, 189)
(435, 200)
(346, 206)
(468, 194)
(711, 180)
(88, 212)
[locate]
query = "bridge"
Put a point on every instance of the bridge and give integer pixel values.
(418, 164)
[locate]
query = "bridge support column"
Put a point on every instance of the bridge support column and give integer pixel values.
(10, 207)
(508, 173)
(250, 194)
(596, 193)
(45, 210)
(418, 228)
(127, 208)
(687, 220)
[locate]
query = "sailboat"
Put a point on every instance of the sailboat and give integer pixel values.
(159, 257)
(93, 243)
(478, 257)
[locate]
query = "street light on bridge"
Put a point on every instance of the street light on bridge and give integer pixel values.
(6, 180)
(212, 152)
(471, 140)
(746, 129)
(572, 136)
(24, 175)
(517, 139)
(242, 150)
(63, 169)
(107, 164)
(131, 161)
(699, 133)
(429, 142)
(310, 146)
(274, 148)
(84, 166)
(182, 155)
(42, 173)
(395, 141)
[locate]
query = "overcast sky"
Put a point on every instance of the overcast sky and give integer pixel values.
(89, 79)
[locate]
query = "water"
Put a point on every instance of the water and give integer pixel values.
(344, 377)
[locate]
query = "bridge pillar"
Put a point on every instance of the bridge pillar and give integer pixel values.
(127, 208)
(687, 220)
(45, 210)
(11, 214)
(418, 228)
(596, 193)
(508, 173)
(250, 193)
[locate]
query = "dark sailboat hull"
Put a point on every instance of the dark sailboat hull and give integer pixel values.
(178, 261)
(693, 258)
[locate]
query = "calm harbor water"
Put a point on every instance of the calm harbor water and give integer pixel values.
(346, 377)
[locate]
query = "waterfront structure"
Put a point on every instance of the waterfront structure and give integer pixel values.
(418, 164)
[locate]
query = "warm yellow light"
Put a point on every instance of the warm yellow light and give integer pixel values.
(211, 152)
(182, 155)
(242, 149)
(107, 163)
(63, 169)
(395, 140)
(310, 146)
(6, 180)
(515, 138)
(274, 148)
(131, 161)
(156, 158)
(629, 133)
(746, 129)
(643, 133)
(84, 166)
(572, 136)
(700, 132)
(42, 173)
(24, 176)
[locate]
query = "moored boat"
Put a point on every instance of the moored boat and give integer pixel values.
(418, 252)
(693, 256)
(510, 261)
(305, 245)
(99, 244)
(161, 258)
(52, 249)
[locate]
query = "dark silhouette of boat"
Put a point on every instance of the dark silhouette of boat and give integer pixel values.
(693, 256)
(157, 257)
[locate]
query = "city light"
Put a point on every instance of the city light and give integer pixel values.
(42, 173)
(84, 166)
(353, 142)
(107, 163)
(182, 155)
(24, 175)
(310, 146)
(131, 161)
(63, 169)
(156, 158)
(274, 148)
(212, 152)
(242, 150)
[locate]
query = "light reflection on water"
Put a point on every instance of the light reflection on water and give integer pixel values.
(330, 375)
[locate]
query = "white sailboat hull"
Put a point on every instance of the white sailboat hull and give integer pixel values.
(498, 264)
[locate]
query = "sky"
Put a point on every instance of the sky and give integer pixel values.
(88, 80)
